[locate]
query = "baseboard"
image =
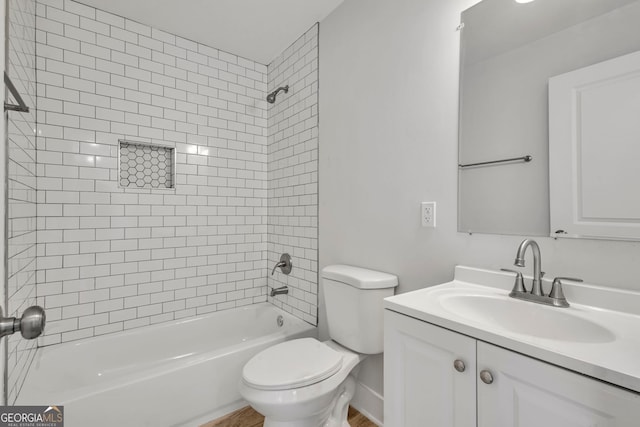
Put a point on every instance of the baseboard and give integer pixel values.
(369, 403)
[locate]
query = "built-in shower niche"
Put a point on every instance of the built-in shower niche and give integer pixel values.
(145, 165)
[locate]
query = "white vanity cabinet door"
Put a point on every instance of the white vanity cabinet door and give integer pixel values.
(421, 386)
(529, 393)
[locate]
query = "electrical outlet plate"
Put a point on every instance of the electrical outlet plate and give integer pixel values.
(428, 214)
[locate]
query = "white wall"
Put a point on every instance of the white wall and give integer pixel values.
(388, 140)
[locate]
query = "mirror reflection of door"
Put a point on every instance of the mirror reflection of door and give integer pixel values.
(593, 148)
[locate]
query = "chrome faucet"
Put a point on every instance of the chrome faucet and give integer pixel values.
(536, 286)
(555, 298)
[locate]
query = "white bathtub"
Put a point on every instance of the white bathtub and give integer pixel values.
(182, 373)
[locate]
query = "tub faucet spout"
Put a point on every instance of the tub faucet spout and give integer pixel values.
(282, 290)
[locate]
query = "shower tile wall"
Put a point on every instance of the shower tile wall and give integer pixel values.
(293, 175)
(109, 258)
(21, 289)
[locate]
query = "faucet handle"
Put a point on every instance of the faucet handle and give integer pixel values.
(518, 285)
(556, 289)
(284, 264)
(571, 279)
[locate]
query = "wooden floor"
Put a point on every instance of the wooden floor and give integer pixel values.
(247, 417)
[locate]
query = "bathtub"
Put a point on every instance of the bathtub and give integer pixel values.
(182, 373)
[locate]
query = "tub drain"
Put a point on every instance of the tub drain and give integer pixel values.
(280, 321)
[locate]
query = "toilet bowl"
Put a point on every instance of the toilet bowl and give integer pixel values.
(308, 383)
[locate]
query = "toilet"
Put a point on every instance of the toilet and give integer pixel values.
(308, 383)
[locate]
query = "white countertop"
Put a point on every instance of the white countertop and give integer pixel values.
(616, 359)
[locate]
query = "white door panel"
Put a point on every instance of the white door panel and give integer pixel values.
(594, 150)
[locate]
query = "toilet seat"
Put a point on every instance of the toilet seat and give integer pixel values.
(292, 364)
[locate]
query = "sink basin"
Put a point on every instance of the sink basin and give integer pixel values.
(525, 318)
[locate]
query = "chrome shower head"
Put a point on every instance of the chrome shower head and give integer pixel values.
(271, 98)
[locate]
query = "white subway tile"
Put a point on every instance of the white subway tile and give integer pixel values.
(79, 84)
(74, 58)
(60, 42)
(154, 244)
(150, 43)
(61, 300)
(95, 51)
(124, 58)
(138, 51)
(77, 310)
(175, 51)
(79, 34)
(110, 67)
(93, 25)
(121, 315)
(125, 35)
(96, 100)
(110, 43)
(93, 320)
(136, 27)
(79, 135)
(75, 109)
(62, 16)
(109, 306)
(124, 82)
(49, 26)
(163, 58)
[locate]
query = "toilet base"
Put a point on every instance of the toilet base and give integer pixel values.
(335, 415)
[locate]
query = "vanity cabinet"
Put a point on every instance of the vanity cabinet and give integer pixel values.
(421, 385)
(425, 386)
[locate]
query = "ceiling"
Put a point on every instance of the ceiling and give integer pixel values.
(493, 27)
(254, 29)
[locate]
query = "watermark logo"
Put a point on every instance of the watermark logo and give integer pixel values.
(31, 416)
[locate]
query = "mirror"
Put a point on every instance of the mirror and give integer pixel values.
(509, 51)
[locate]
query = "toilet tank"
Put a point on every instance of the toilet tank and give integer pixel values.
(353, 300)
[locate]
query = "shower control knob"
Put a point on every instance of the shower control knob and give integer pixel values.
(285, 265)
(30, 325)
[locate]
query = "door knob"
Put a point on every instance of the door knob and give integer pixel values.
(486, 376)
(30, 325)
(459, 365)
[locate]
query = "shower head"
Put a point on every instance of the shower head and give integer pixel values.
(271, 98)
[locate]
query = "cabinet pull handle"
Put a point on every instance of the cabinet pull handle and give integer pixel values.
(486, 376)
(459, 365)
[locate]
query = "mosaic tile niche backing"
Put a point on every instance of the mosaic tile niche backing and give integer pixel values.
(146, 166)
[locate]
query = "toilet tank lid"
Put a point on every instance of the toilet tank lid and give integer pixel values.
(361, 278)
